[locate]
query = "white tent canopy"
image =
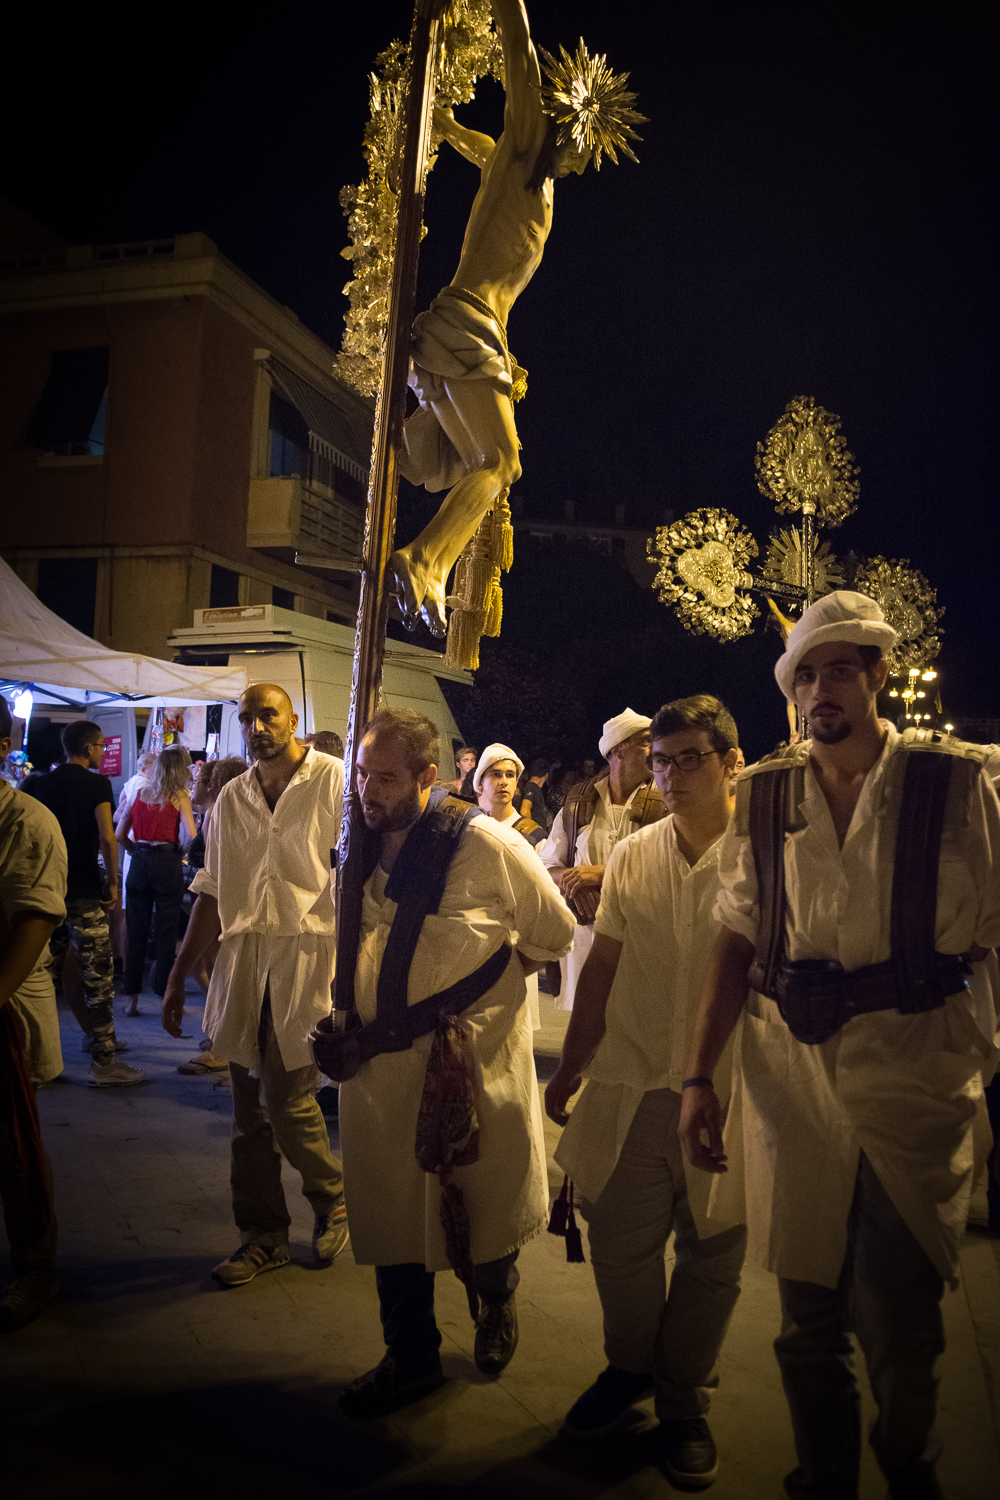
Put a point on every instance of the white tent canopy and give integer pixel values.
(39, 650)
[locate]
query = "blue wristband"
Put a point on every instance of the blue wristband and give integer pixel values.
(697, 1083)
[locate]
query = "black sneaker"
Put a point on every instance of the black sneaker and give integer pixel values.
(688, 1453)
(496, 1337)
(388, 1387)
(24, 1298)
(603, 1407)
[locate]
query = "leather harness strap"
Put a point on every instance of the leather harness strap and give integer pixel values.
(915, 875)
(578, 811)
(768, 792)
(916, 977)
(416, 884)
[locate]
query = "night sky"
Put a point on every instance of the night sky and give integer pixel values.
(813, 213)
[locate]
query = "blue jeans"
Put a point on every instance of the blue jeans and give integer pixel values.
(406, 1304)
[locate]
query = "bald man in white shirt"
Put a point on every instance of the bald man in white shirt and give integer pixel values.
(265, 894)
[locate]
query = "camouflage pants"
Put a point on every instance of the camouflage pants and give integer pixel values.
(86, 930)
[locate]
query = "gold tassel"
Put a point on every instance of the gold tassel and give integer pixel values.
(494, 614)
(465, 626)
(460, 587)
(502, 535)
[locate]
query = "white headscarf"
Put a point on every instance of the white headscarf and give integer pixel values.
(489, 757)
(622, 727)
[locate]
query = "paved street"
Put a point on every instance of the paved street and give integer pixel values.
(144, 1379)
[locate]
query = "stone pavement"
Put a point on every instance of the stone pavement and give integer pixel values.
(144, 1379)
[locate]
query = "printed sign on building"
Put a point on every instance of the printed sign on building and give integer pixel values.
(111, 763)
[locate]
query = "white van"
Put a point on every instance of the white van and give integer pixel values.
(313, 661)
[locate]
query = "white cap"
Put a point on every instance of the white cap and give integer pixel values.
(840, 616)
(622, 727)
(489, 757)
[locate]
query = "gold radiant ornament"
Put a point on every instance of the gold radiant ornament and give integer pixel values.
(786, 564)
(803, 464)
(910, 607)
(702, 571)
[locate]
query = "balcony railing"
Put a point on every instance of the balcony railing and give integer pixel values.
(304, 514)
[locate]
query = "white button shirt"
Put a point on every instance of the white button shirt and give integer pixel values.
(271, 874)
(662, 911)
(905, 1089)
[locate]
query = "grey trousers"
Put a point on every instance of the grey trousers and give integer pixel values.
(675, 1335)
(277, 1115)
(890, 1294)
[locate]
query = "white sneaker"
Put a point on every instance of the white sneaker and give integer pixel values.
(248, 1261)
(330, 1235)
(113, 1074)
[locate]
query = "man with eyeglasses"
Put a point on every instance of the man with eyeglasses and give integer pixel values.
(653, 934)
(859, 895)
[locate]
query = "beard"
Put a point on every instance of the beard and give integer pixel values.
(391, 819)
(269, 746)
(830, 730)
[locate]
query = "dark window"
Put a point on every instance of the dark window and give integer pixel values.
(283, 598)
(71, 414)
(68, 586)
(225, 588)
(289, 439)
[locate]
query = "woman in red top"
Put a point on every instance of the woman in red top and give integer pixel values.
(151, 832)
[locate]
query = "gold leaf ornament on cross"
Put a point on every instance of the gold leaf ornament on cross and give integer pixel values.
(710, 570)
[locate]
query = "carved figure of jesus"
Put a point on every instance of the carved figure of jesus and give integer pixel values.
(463, 437)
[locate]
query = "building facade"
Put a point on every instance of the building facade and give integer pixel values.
(170, 438)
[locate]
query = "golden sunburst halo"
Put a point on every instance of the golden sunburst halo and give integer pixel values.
(590, 104)
(909, 605)
(702, 571)
(803, 464)
(784, 562)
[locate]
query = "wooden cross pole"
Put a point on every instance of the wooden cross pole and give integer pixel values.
(380, 522)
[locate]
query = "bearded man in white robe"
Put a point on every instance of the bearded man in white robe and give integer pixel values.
(859, 895)
(497, 910)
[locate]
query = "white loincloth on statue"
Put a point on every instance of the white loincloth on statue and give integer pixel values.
(452, 340)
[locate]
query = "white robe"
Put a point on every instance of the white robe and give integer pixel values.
(496, 891)
(530, 980)
(662, 911)
(610, 824)
(905, 1089)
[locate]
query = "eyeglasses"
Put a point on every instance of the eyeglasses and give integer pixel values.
(687, 760)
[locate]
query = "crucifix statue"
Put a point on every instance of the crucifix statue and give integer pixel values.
(463, 438)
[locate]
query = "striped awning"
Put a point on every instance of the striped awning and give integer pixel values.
(345, 446)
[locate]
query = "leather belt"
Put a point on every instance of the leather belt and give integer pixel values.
(816, 997)
(340, 1053)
